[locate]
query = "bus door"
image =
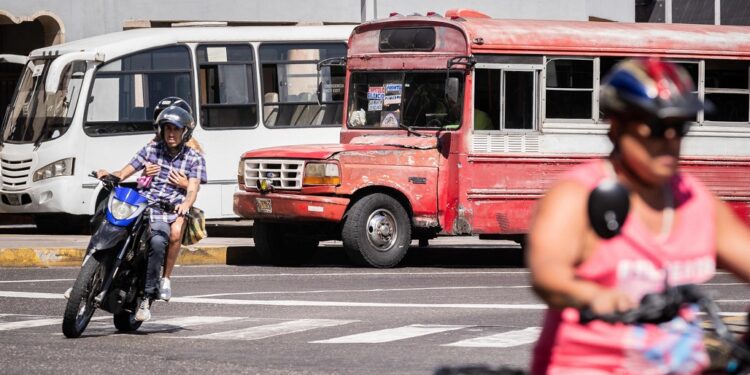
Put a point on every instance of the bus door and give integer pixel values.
(505, 129)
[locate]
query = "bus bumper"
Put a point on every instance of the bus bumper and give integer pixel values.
(55, 195)
(289, 207)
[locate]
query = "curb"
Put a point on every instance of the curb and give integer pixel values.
(72, 257)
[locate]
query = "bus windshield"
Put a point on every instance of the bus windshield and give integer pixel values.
(413, 99)
(35, 116)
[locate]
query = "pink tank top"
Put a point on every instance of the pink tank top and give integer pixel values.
(637, 262)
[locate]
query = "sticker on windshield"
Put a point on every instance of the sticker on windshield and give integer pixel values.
(375, 105)
(375, 93)
(38, 69)
(393, 87)
(389, 119)
(392, 99)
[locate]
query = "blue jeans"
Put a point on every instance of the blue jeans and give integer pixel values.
(158, 241)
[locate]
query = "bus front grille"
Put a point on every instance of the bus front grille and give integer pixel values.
(15, 174)
(281, 173)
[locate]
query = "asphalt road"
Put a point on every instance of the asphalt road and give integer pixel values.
(449, 305)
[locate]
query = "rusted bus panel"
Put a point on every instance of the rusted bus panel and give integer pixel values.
(291, 207)
(607, 38)
(400, 62)
(414, 173)
(728, 178)
(449, 37)
(505, 215)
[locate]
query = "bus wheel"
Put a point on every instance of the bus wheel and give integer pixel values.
(280, 245)
(376, 231)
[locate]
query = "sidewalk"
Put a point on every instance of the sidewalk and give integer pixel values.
(35, 250)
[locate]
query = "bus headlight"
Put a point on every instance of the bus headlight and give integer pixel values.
(321, 174)
(62, 167)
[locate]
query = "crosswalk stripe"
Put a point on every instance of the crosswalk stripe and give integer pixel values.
(270, 330)
(8, 326)
(184, 322)
(502, 340)
(391, 334)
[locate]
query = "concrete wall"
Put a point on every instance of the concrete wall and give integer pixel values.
(83, 18)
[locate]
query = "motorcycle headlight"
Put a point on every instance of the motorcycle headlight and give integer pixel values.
(62, 167)
(121, 210)
(321, 174)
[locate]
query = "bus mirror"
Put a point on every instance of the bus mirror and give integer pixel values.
(54, 74)
(451, 90)
(325, 77)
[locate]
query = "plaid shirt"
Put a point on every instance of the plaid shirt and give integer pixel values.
(187, 161)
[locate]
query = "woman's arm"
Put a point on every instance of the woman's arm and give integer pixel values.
(192, 194)
(557, 238)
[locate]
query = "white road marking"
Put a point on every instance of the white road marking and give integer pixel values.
(38, 323)
(271, 330)
(502, 340)
(221, 301)
(364, 290)
(249, 302)
(391, 334)
(34, 281)
(31, 295)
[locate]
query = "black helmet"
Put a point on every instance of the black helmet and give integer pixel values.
(650, 88)
(177, 116)
(170, 101)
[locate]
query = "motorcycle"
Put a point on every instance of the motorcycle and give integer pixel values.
(113, 272)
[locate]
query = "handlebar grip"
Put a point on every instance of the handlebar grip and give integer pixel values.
(93, 174)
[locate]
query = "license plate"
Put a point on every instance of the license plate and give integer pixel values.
(263, 205)
(14, 199)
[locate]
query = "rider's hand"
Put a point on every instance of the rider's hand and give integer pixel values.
(609, 301)
(101, 173)
(178, 179)
(182, 209)
(151, 169)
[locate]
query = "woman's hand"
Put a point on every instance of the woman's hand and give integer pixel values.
(178, 179)
(609, 301)
(182, 209)
(151, 169)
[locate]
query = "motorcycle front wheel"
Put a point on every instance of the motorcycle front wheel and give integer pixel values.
(81, 304)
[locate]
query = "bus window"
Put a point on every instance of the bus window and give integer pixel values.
(226, 82)
(290, 78)
(727, 88)
(37, 117)
(518, 103)
(569, 88)
(385, 100)
(126, 90)
(487, 99)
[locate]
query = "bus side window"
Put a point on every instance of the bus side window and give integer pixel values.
(126, 90)
(727, 88)
(569, 88)
(290, 80)
(487, 99)
(227, 86)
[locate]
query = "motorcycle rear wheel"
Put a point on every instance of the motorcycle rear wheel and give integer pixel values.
(125, 322)
(81, 307)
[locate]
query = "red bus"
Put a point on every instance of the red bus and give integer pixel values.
(455, 125)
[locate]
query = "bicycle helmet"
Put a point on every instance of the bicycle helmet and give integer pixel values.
(179, 117)
(649, 89)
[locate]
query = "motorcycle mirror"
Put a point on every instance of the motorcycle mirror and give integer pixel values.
(608, 207)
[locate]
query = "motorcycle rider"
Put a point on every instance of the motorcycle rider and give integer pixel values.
(161, 159)
(675, 233)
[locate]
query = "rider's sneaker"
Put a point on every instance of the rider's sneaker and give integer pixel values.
(165, 289)
(67, 293)
(143, 314)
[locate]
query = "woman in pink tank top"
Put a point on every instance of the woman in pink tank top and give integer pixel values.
(674, 234)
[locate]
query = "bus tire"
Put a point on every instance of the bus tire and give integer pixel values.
(376, 231)
(279, 245)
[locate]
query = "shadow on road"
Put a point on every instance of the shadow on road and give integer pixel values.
(433, 256)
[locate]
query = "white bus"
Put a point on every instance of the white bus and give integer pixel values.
(88, 104)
